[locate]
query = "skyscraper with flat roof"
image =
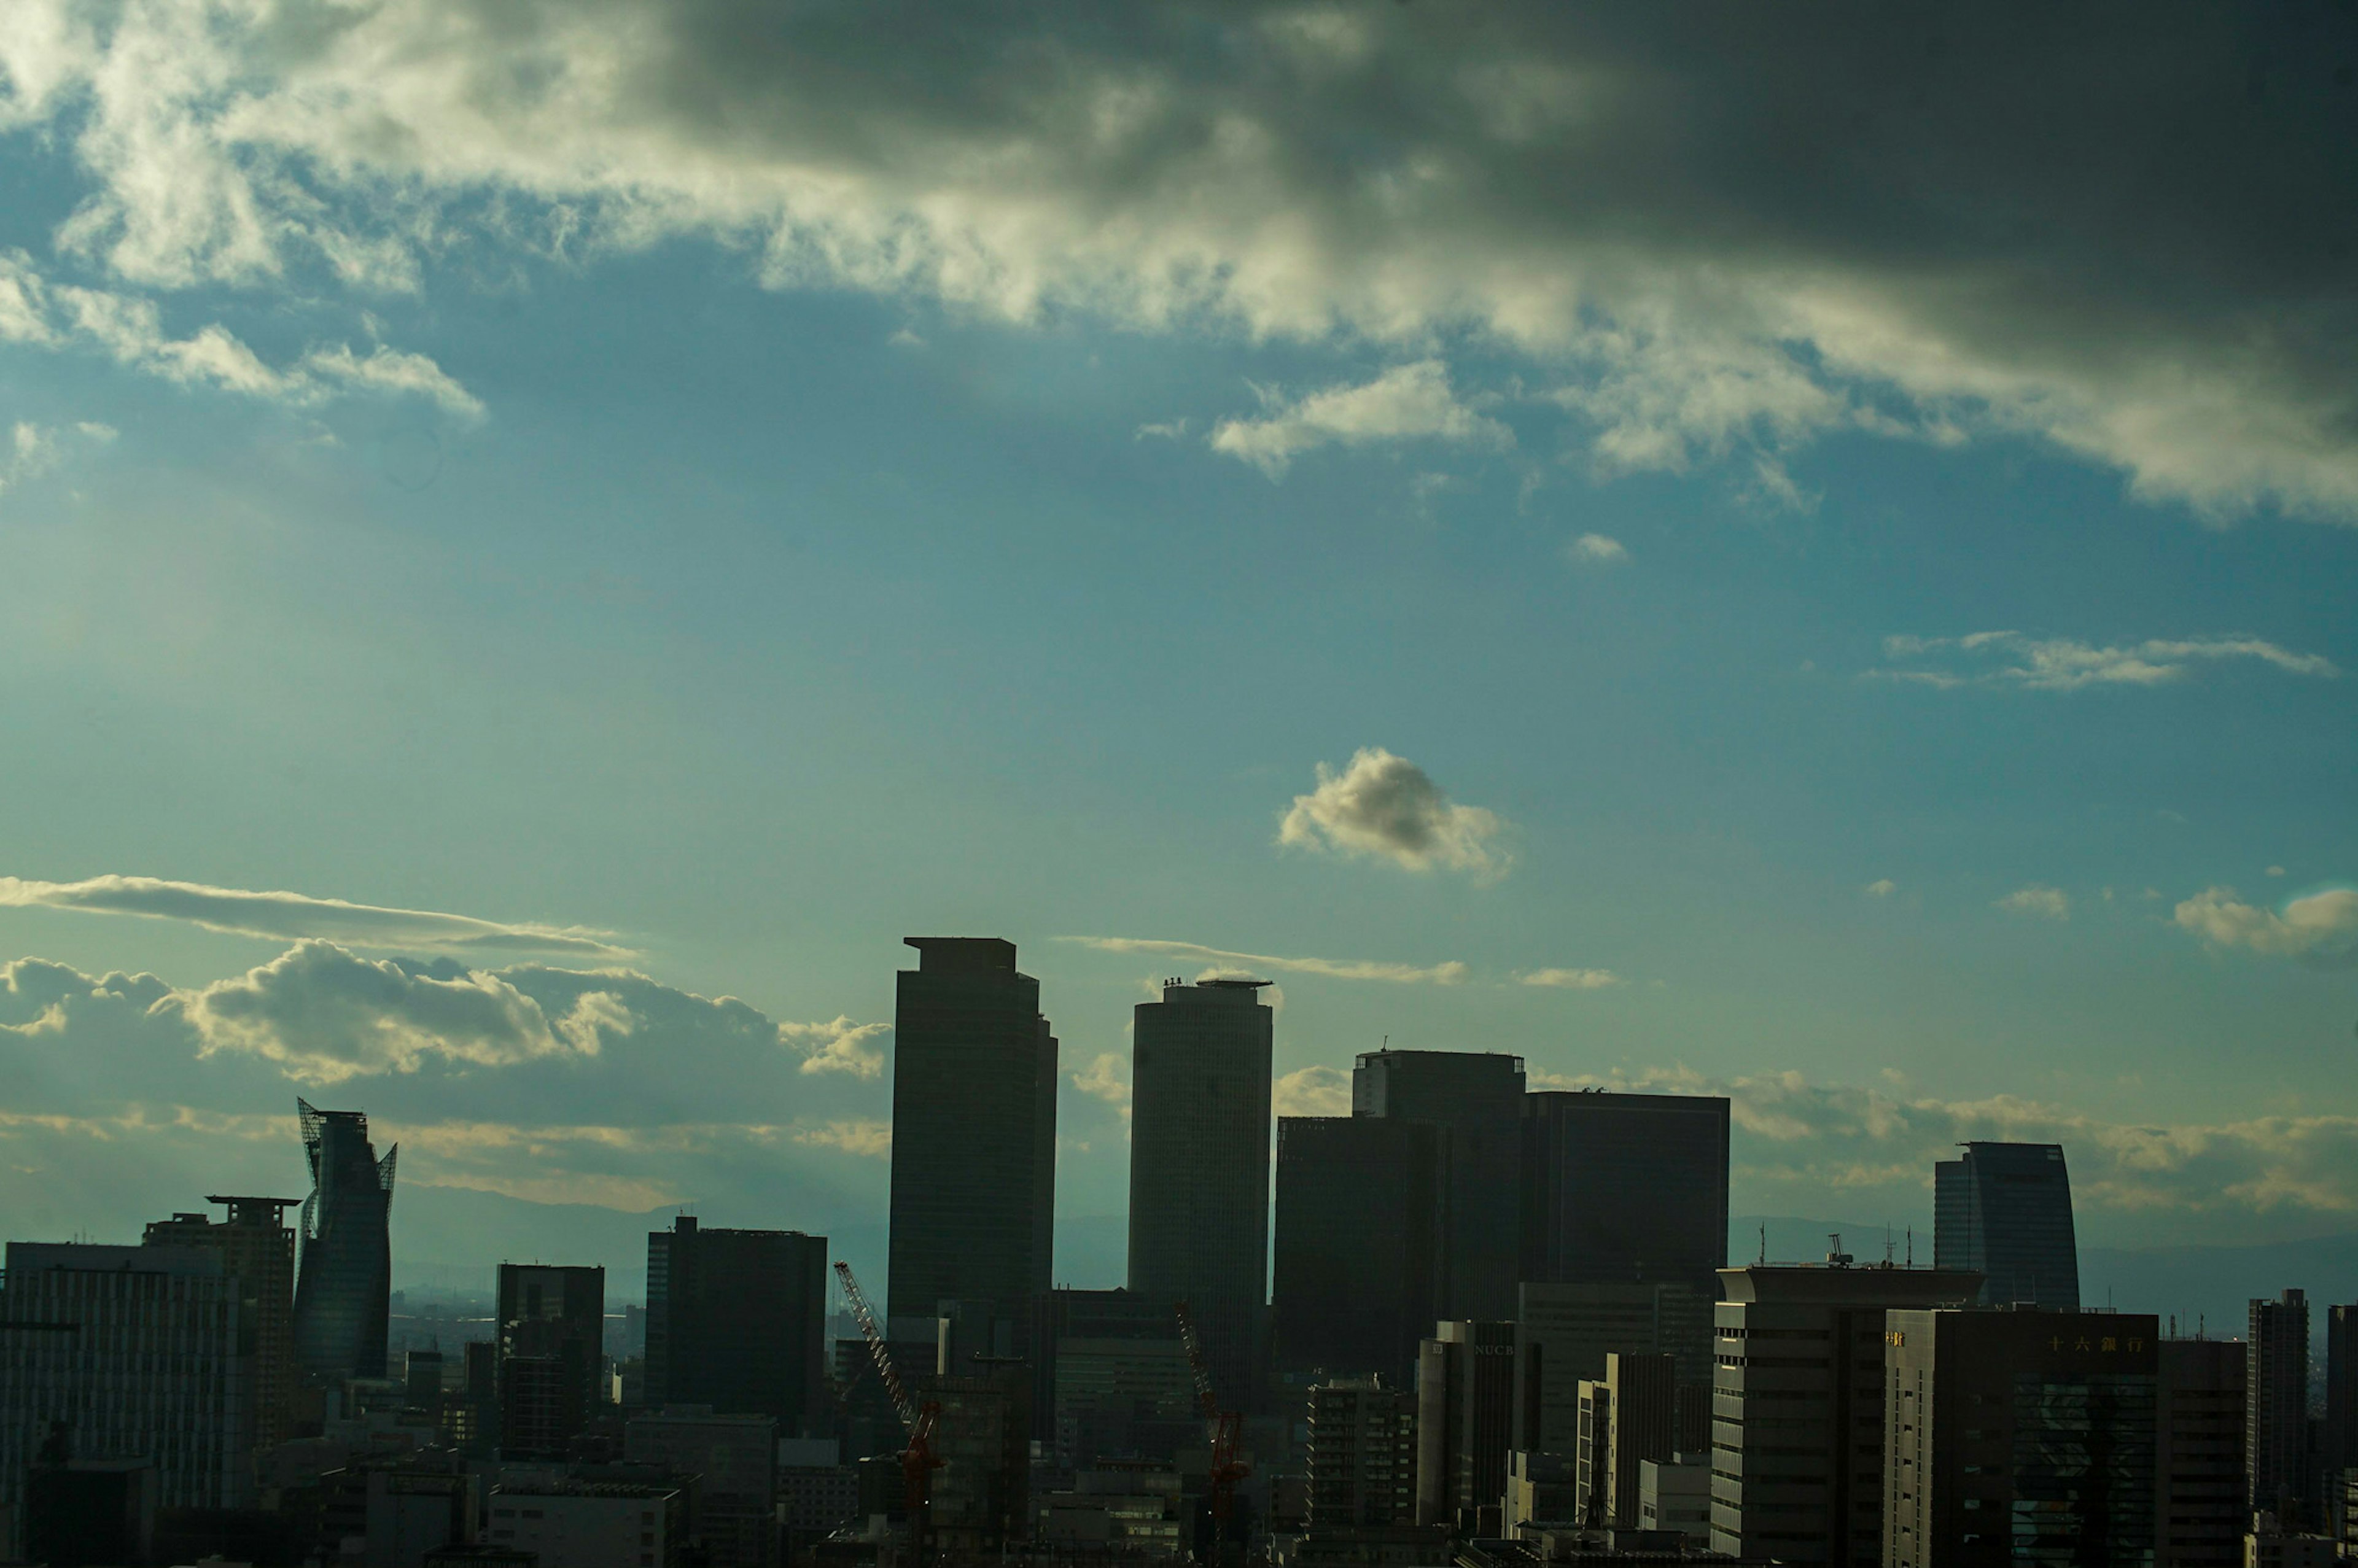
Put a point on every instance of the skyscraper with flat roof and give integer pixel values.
(2006, 1210)
(1360, 1207)
(1199, 1126)
(1476, 1098)
(256, 1247)
(737, 1322)
(552, 1323)
(2275, 1409)
(2198, 1491)
(1625, 1186)
(974, 1132)
(343, 1289)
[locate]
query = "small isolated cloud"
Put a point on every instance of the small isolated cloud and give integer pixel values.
(1387, 806)
(294, 917)
(1312, 1091)
(1107, 1077)
(1596, 550)
(1573, 979)
(2320, 929)
(1448, 973)
(2276, 870)
(1882, 887)
(1410, 402)
(31, 450)
(864, 1136)
(840, 1047)
(2046, 902)
(1163, 430)
(2063, 663)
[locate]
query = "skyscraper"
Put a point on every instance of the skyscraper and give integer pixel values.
(1199, 1167)
(737, 1321)
(552, 1323)
(2006, 1210)
(1465, 1421)
(974, 1132)
(256, 1247)
(1625, 1186)
(1358, 1255)
(1478, 1100)
(344, 1288)
(2275, 1408)
(2198, 1492)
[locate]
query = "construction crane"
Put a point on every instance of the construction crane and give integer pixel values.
(918, 1461)
(1224, 1427)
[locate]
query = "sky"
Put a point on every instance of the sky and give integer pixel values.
(1800, 553)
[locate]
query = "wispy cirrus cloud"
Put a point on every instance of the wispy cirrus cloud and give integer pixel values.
(1387, 808)
(2064, 663)
(1448, 973)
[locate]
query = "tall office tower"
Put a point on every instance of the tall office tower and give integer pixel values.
(737, 1321)
(974, 1132)
(2275, 1409)
(1465, 1422)
(1562, 1333)
(126, 1353)
(2006, 1210)
(552, 1323)
(1199, 1088)
(2338, 1445)
(2019, 1437)
(734, 1459)
(980, 1500)
(1478, 1098)
(1359, 1208)
(2198, 1491)
(1631, 1418)
(344, 1284)
(1625, 1186)
(255, 1246)
(1361, 1468)
(1797, 1405)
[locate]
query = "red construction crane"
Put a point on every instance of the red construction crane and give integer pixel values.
(1226, 1427)
(918, 1461)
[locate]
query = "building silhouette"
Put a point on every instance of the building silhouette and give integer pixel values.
(1564, 1332)
(552, 1323)
(737, 1323)
(1629, 1417)
(344, 1285)
(256, 1247)
(2198, 1489)
(734, 1459)
(1476, 1098)
(1362, 1458)
(1625, 1186)
(974, 1132)
(2275, 1409)
(2006, 1210)
(1464, 1422)
(1199, 1131)
(1361, 1202)
(2338, 1436)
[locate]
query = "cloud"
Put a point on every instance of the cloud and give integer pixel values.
(1449, 973)
(1882, 887)
(840, 1047)
(2062, 663)
(2047, 902)
(1573, 979)
(2321, 928)
(1406, 403)
(1107, 1077)
(31, 450)
(294, 916)
(1163, 430)
(1387, 806)
(868, 1137)
(1596, 550)
(1312, 1091)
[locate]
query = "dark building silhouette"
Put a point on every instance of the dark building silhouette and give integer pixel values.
(2006, 1210)
(1476, 1097)
(974, 1132)
(1199, 1130)
(2275, 1409)
(552, 1323)
(2197, 1490)
(1361, 1462)
(1464, 1422)
(737, 1322)
(1109, 1378)
(1361, 1202)
(344, 1291)
(1625, 1187)
(2338, 1438)
(256, 1247)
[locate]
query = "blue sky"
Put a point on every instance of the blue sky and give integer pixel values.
(1865, 618)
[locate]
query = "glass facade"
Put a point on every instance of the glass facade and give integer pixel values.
(1477, 1098)
(1625, 1186)
(2006, 1210)
(344, 1285)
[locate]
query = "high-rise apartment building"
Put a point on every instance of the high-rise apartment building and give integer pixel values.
(737, 1323)
(1359, 1243)
(1199, 1126)
(344, 1284)
(1465, 1422)
(256, 1247)
(2275, 1409)
(2019, 1437)
(2198, 1489)
(1563, 1332)
(1476, 1098)
(552, 1321)
(2338, 1437)
(974, 1132)
(1625, 1186)
(2004, 1209)
(1361, 1467)
(1797, 1405)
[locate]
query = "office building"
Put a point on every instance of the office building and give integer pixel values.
(737, 1321)
(1542, 1491)
(551, 1327)
(1122, 1399)
(2338, 1437)
(981, 1496)
(1626, 1418)
(2019, 1437)
(1476, 1098)
(2276, 1410)
(1199, 1126)
(256, 1247)
(2198, 1490)
(734, 1459)
(1464, 1422)
(1564, 1332)
(343, 1286)
(2005, 1210)
(1361, 1468)
(974, 1130)
(1100, 1325)
(413, 1504)
(1674, 1495)
(1619, 1187)
(115, 1355)
(1797, 1405)
(588, 1524)
(1359, 1249)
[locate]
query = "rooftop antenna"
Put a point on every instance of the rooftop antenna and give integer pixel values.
(1912, 1246)
(1888, 1245)
(1764, 1243)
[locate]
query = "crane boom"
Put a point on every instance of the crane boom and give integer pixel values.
(878, 1351)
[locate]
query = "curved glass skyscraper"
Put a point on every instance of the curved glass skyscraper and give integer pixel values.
(344, 1291)
(2006, 1210)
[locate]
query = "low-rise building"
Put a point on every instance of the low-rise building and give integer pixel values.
(588, 1524)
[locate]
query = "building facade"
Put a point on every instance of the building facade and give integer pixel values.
(1361, 1463)
(1465, 1422)
(737, 1322)
(255, 1245)
(588, 1524)
(2198, 1489)
(1625, 1187)
(2004, 1209)
(343, 1288)
(1476, 1098)
(551, 1326)
(1563, 1332)
(735, 1460)
(2275, 1409)
(1360, 1249)
(1634, 1422)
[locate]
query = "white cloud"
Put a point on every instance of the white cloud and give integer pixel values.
(1312, 1091)
(1107, 1077)
(1596, 550)
(1448, 973)
(2276, 870)
(840, 1047)
(868, 1137)
(1406, 403)
(2322, 929)
(31, 450)
(293, 916)
(2062, 664)
(1161, 431)
(1573, 979)
(2047, 902)
(1387, 806)
(1882, 887)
